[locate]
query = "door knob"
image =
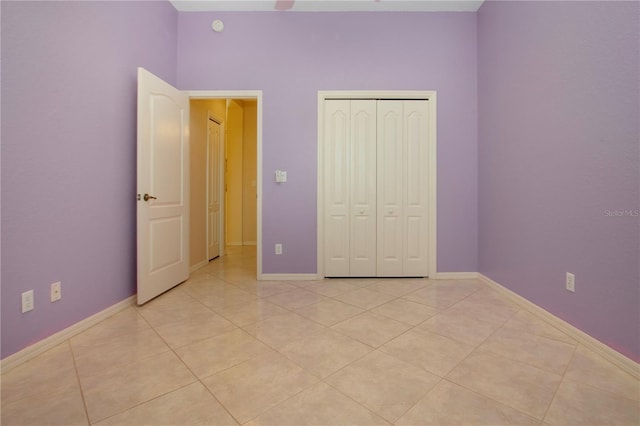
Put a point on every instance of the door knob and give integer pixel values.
(148, 197)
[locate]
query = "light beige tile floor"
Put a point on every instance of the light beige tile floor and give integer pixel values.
(225, 349)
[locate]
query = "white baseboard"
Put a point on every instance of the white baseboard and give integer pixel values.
(198, 266)
(288, 277)
(50, 342)
(615, 357)
(456, 276)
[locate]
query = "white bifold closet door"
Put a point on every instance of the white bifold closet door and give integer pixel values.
(376, 180)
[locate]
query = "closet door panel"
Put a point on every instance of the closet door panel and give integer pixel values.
(416, 188)
(336, 184)
(363, 188)
(390, 176)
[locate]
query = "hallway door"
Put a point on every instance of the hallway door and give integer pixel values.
(214, 146)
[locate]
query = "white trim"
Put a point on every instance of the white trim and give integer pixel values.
(244, 94)
(61, 336)
(198, 266)
(591, 343)
(288, 277)
(328, 6)
(433, 162)
(456, 276)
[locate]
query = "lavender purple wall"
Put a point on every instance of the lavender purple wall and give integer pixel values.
(559, 160)
(68, 154)
(291, 56)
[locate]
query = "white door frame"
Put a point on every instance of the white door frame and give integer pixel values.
(221, 236)
(381, 94)
(257, 96)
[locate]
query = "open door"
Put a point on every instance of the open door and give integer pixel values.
(163, 186)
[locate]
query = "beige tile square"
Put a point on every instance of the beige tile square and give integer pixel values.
(252, 387)
(224, 296)
(165, 314)
(63, 407)
(265, 288)
(329, 312)
(370, 328)
(460, 327)
(252, 311)
(128, 321)
(51, 372)
(432, 352)
(203, 284)
(112, 390)
(306, 283)
(295, 299)
(450, 404)
(485, 310)
(441, 294)
(383, 384)
(280, 330)
(365, 298)
(331, 288)
(183, 332)
(541, 352)
(590, 368)
(175, 305)
(405, 311)
(486, 294)
(520, 386)
(215, 354)
(317, 406)
(190, 405)
(361, 282)
(579, 404)
(526, 321)
(400, 286)
(325, 352)
(94, 354)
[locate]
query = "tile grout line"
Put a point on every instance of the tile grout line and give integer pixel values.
(75, 367)
(562, 378)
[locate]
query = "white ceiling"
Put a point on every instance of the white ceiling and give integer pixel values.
(329, 5)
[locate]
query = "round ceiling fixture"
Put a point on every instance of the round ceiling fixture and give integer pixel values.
(217, 26)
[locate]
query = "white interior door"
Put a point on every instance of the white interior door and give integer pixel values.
(337, 181)
(416, 189)
(390, 156)
(213, 188)
(363, 188)
(163, 186)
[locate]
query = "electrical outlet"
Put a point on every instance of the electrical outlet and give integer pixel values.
(56, 291)
(571, 282)
(27, 301)
(278, 248)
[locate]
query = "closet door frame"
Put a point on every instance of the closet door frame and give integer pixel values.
(432, 163)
